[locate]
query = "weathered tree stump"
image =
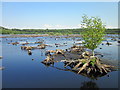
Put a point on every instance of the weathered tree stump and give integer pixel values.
(48, 61)
(80, 62)
(42, 46)
(92, 65)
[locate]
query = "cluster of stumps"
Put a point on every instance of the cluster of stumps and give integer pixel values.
(84, 64)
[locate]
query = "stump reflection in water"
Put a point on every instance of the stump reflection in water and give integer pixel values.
(89, 85)
(91, 76)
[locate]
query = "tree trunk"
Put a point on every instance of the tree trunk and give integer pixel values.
(93, 53)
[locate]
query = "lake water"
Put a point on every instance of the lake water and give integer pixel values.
(23, 72)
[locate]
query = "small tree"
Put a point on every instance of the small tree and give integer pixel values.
(93, 32)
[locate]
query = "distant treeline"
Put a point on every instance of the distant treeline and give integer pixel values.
(49, 31)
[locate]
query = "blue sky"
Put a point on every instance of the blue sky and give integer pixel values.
(56, 14)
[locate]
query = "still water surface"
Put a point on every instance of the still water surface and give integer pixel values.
(23, 72)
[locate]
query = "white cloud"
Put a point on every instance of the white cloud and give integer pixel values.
(48, 26)
(79, 25)
(111, 27)
(57, 26)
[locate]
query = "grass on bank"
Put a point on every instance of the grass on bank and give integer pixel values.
(49, 31)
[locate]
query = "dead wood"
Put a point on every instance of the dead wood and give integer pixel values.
(84, 66)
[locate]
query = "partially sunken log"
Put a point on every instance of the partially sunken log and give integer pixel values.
(42, 46)
(25, 43)
(27, 47)
(15, 43)
(38, 42)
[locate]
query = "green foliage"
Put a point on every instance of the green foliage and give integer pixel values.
(83, 62)
(92, 61)
(93, 32)
(49, 31)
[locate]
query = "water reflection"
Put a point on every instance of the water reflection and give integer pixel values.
(29, 52)
(49, 64)
(24, 74)
(89, 85)
(92, 76)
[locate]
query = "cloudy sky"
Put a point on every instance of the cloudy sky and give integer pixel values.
(56, 14)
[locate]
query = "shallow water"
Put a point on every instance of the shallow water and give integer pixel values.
(23, 72)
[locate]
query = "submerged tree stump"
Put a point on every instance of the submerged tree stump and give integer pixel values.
(92, 65)
(2, 68)
(41, 46)
(15, 43)
(48, 61)
(79, 62)
(1, 57)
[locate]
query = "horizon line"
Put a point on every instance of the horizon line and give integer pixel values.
(56, 28)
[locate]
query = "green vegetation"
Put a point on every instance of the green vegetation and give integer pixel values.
(93, 32)
(49, 31)
(92, 61)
